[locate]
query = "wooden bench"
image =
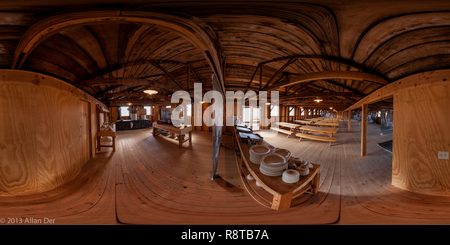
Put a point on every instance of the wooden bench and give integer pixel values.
(315, 137)
(284, 131)
(329, 131)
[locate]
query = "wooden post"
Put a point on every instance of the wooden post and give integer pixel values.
(349, 117)
(364, 129)
(260, 77)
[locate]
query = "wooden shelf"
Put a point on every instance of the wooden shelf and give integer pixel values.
(281, 192)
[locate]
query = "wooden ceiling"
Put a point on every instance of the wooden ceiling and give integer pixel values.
(116, 57)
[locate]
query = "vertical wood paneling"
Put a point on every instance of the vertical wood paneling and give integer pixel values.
(44, 138)
(417, 140)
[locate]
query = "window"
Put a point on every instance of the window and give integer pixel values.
(246, 114)
(291, 111)
(169, 106)
(124, 112)
(274, 111)
(148, 110)
(189, 110)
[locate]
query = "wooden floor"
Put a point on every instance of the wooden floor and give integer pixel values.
(150, 180)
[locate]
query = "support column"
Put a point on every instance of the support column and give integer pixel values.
(349, 117)
(364, 129)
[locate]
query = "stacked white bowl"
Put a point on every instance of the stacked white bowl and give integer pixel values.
(291, 176)
(273, 164)
(256, 152)
(284, 152)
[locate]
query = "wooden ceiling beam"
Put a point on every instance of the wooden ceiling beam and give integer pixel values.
(124, 102)
(125, 81)
(133, 94)
(326, 58)
(157, 65)
(110, 69)
(278, 72)
(352, 75)
(429, 78)
(320, 94)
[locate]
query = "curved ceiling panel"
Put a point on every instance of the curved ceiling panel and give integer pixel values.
(255, 45)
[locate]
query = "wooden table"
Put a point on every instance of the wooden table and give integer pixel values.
(282, 192)
(303, 122)
(329, 131)
(174, 130)
(329, 124)
(314, 119)
(106, 134)
(291, 126)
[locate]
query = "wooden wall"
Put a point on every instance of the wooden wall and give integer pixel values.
(47, 133)
(421, 129)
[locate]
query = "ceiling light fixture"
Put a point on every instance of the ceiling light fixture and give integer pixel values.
(318, 100)
(150, 91)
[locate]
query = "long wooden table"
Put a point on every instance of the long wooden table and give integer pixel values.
(329, 124)
(174, 130)
(305, 122)
(291, 126)
(282, 192)
(329, 131)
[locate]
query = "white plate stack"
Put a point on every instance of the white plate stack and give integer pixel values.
(273, 164)
(284, 152)
(257, 151)
(291, 176)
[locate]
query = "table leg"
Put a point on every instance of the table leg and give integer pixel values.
(282, 201)
(190, 136)
(98, 143)
(114, 143)
(315, 183)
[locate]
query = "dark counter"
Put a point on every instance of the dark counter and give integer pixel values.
(132, 124)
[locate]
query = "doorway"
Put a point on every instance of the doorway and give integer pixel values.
(251, 117)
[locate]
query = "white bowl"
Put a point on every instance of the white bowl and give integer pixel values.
(291, 176)
(273, 164)
(250, 177)
(257, 151)
(304, 170)
(284, 152)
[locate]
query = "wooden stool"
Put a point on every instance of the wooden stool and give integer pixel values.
(106, 134)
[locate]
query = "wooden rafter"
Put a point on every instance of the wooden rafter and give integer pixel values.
(133, 94)
(170, 75)
(353, 75)
(320, 94)
(423, 79)
(124, 81)
(110, 69)
(278, 72)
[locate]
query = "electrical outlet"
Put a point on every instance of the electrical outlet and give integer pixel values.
(443, 155)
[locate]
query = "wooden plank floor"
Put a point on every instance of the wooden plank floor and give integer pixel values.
(150, 180)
